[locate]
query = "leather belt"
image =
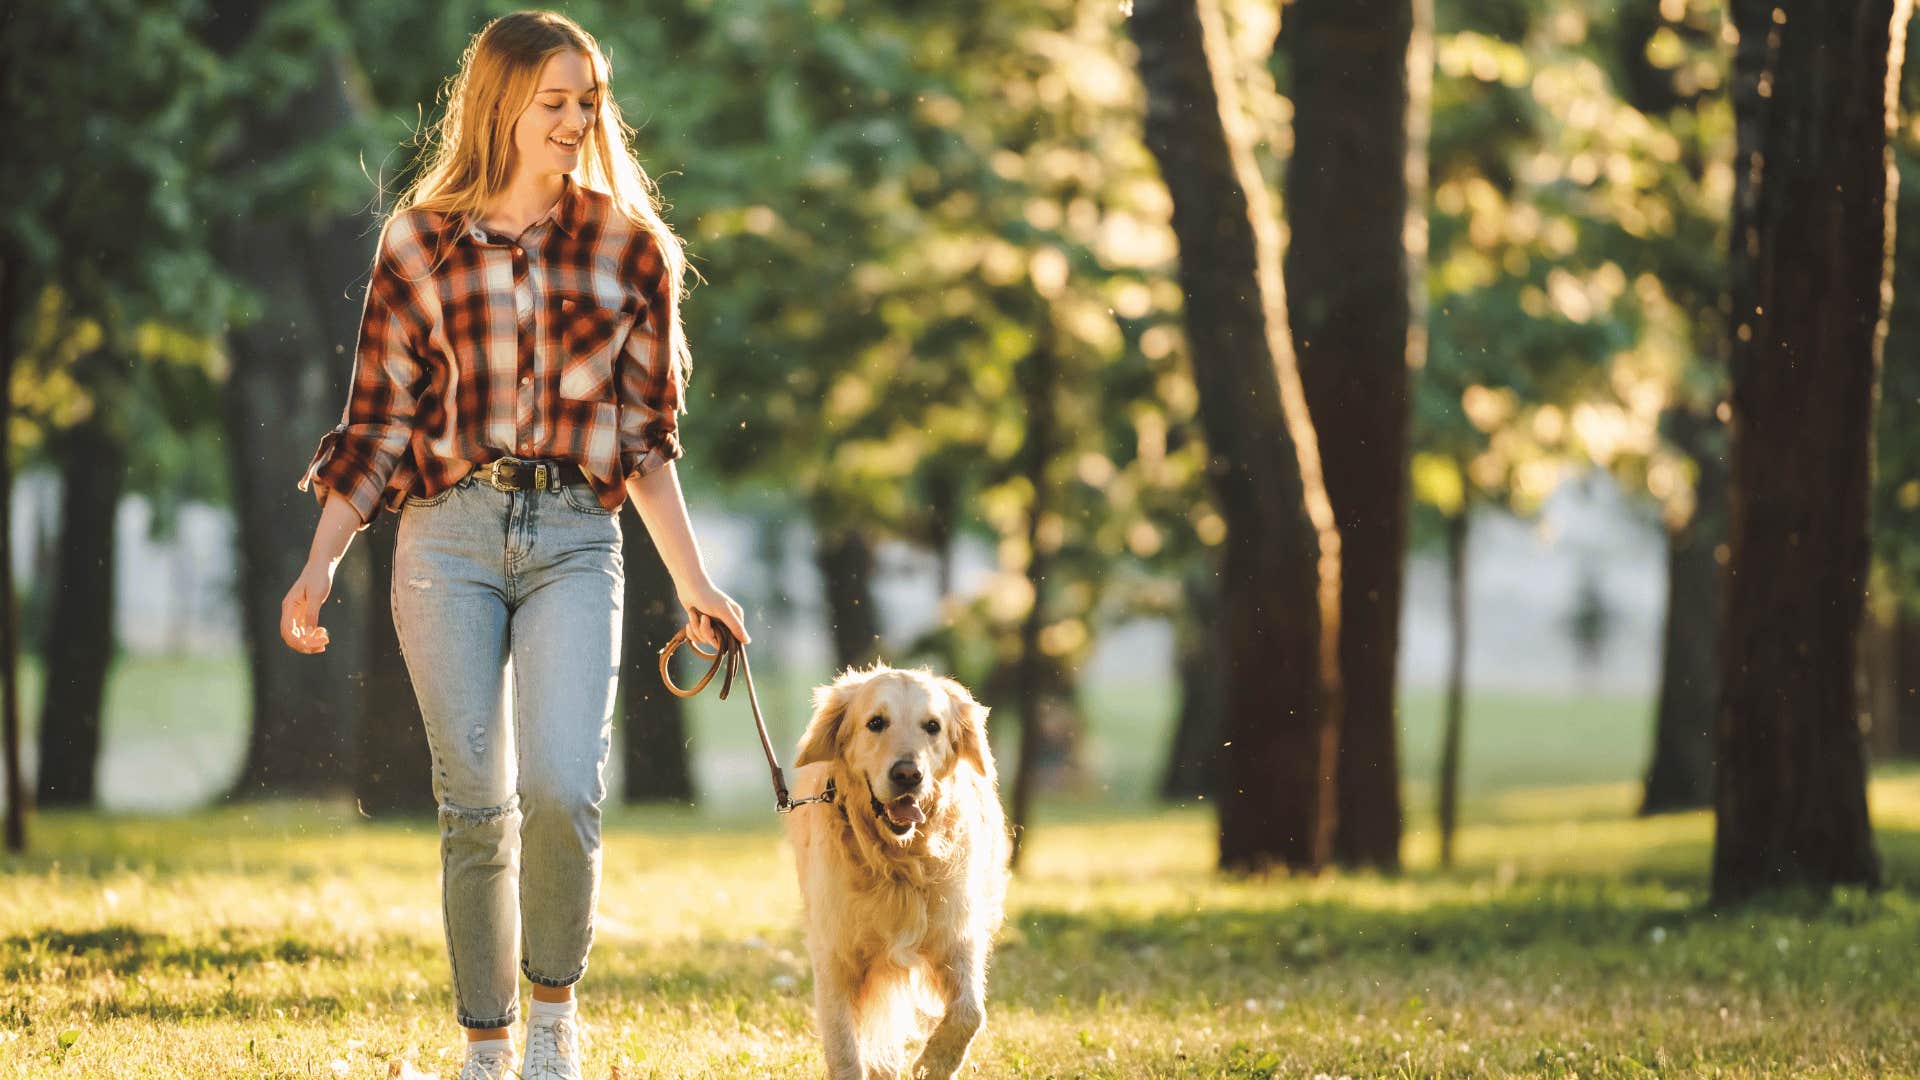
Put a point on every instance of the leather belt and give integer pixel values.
(515, 474)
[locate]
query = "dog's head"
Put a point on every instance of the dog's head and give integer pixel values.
(898, 736)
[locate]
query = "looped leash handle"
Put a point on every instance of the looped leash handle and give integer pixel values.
(731, 655)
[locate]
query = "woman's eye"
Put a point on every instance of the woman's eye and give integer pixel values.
(878, 723)
(932, 726)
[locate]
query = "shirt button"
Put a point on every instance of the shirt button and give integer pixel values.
(526, 380)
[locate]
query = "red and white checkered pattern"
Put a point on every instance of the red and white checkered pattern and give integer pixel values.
(554, 344)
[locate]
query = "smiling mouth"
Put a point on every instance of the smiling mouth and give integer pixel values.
(565, 145)
(900, 815)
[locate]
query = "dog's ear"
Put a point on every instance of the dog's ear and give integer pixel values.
(822, 738)
(970, 730)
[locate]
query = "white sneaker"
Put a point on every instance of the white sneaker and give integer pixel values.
(487, 1065)
(553, 1050)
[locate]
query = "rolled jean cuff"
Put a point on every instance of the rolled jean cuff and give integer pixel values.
(486, 1025)
(546, 981)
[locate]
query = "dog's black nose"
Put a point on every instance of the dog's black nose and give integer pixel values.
(904, 775)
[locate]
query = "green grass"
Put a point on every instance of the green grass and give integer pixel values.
(299, 941)
(289, 941)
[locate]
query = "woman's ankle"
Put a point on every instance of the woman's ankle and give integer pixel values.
(557, 995)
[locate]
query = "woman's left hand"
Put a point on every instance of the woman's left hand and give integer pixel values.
(706, 604)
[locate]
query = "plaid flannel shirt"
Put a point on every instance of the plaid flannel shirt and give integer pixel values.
(553, 344)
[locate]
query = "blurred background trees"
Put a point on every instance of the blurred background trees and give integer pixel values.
(993, 358)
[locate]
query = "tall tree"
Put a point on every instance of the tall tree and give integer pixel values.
(1356, 209)
(843, 551)
(1280, 633)
(16, 787)
(1193, 760)
(1812, 85)
(1680, 773)
(1670, 70)
(80, 645)
(284, 234)
(106, 276)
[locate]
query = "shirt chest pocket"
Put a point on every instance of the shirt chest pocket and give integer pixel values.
(585, 336)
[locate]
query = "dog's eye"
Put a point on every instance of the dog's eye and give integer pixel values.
(878, 723)
(932, 726)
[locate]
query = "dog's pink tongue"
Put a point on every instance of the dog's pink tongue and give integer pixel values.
(904, 811)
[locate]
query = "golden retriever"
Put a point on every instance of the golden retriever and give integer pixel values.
(904, 873)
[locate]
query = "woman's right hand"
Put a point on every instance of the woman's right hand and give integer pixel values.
(300, 612)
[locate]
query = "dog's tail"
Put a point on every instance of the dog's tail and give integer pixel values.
(896, 1012)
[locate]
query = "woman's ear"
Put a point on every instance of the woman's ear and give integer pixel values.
(822, 738)
(970, 730)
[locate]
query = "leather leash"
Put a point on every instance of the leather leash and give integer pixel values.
(731, 655)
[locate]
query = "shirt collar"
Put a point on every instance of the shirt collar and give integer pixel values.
(568, 213)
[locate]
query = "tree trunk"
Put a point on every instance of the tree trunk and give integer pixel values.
(1039, 380)
(394, 773)
(1808, 275)
(11, 291)
(1680, 776)
(290, 370)
(1876, 680)
(1193, 762)
(1456, 708)
(1280, 633)
(845, 559)
(1355, 194)
(655, 748)
(93, 472)
(943, 525)
(1906, 682)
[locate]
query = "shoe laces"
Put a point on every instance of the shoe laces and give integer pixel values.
(487, 1065)
(552, 1050)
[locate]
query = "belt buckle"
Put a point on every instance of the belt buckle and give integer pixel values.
(490, 475)
(545, 476)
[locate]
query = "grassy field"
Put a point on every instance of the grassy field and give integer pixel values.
(1573, 940)
(285, 941)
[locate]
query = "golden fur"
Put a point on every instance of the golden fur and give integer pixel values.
(900, 927)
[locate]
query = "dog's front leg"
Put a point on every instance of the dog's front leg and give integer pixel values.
(964, 975)
(833, 1010)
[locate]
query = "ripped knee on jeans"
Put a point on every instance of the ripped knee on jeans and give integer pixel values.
(477, 816)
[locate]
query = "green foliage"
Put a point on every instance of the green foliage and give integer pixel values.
(120, 304)
(1580, 165)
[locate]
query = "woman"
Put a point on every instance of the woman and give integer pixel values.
(519, 375)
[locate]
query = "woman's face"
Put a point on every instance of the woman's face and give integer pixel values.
(552, 130)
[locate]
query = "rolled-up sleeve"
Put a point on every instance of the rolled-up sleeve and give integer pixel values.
(356, 459)
(651, 378)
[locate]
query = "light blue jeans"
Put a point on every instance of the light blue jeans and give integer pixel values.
(507, 606)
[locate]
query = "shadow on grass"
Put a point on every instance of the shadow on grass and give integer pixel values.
(126, 950)
(1545, 932)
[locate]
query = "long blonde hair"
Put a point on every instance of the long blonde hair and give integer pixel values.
(468, 157)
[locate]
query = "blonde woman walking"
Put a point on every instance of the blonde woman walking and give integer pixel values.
(519, 375)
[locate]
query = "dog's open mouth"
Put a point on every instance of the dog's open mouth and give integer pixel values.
(901, 814)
